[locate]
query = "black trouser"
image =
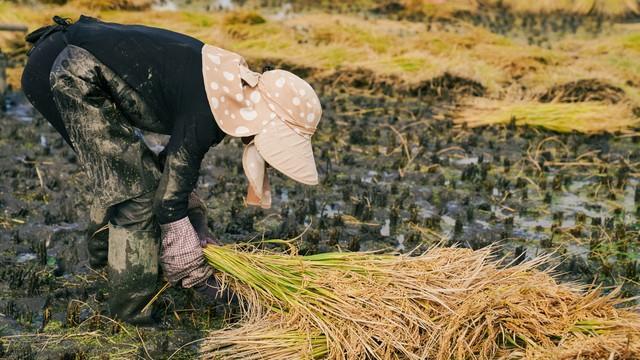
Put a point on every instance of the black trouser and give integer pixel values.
(100, 113)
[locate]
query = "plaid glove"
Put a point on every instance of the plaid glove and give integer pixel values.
(182, 259)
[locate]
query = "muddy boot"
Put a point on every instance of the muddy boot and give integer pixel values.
(98, 236)
(133, 273)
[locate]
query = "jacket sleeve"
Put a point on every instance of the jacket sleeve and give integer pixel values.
(190, 141)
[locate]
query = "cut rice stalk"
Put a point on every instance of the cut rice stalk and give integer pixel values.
(446, 303)
(585, 117)
(265, 338)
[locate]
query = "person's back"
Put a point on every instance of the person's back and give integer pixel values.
(157, 63)
(162, 66)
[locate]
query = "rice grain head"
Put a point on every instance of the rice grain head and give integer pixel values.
(447, 303)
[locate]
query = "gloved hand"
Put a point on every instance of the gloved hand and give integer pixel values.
(181, 258)
(197, 212)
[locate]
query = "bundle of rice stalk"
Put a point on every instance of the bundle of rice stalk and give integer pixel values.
(446, 303)
(585, 117)
(266, 337)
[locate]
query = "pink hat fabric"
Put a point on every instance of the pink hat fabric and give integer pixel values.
(278, 107)
(259, 190)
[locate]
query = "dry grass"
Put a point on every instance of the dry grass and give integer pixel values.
(326, 42)
(405, 51)
(447, 303)
(607, 7)
(582, 7)
(113, 4)
(585, 117)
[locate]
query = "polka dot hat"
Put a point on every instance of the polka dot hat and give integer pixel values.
(278, 107)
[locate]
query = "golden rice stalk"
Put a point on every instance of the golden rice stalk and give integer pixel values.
(539, 316)
(365, 304)
(620, 345)
(606, 7)
(585, 117)
(446, 303)
(267, 337)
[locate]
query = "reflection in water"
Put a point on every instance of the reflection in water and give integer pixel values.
(17, 106)
(24, 257)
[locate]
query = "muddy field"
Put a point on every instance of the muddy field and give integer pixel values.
(396, 173)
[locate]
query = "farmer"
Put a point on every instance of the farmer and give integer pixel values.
(97, 82)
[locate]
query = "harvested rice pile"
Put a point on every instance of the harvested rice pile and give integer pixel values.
(587, 117)
(447, 303)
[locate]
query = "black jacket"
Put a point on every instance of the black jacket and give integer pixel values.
(165, 69)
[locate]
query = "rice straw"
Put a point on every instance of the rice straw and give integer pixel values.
(447, 303)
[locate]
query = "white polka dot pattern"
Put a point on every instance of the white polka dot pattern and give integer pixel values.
(242, 130)
(275, 105)
(255, 96)
(248, 114)
(214, 58)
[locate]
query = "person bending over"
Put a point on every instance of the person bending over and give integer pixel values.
(98, 82)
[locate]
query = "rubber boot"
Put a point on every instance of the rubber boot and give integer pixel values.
(98, 236)
(133, 273)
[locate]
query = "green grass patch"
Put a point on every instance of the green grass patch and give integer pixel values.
(409, 64)
(632, 42)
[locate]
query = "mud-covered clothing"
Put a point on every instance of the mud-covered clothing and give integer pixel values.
(124, 174)
(113, 155)
(164, 71)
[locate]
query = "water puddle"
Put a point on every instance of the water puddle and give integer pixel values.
(25, 257)
(17, 106)
(385, 230)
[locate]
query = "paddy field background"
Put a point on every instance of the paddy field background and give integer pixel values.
(463, 123)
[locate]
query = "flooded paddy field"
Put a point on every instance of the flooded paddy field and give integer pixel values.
(398, 172)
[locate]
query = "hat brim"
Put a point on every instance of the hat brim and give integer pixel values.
(287, 151)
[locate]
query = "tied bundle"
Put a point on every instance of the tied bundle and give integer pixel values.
(447, 303)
